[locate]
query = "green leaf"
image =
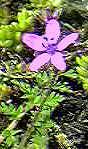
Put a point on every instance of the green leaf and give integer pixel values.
(6, 133)
(53, 100)
(10, 140)
(20, 109)
(37, 100)
(71, 74)
(24, 18)
(82, 70)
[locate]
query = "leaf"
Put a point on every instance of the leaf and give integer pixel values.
(39, 142)
(24, 18)
(71, 74)
(6, 133)
(19, 110)
(37, 100)
(53, 100)
(10, 140)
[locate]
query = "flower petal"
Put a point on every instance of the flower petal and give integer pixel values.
(52, 30)
(58, 61)
(64, 43)
(39, 61)
(34, 41)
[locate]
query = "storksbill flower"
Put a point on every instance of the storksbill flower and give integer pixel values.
(50, 45)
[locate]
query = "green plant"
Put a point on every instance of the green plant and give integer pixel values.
(41, 4)
(11, 111)
(10, 135)
(5, 91)
(36, 94)
(10, 34)
(71, 73)
(40, 97)
(82, 70)
(45, 101)
(4, 15)
(41, 122)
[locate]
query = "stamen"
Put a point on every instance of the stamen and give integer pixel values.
(51, 49)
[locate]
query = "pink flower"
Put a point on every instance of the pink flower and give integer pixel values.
(49, 45)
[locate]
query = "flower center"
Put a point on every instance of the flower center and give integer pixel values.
(51, 49)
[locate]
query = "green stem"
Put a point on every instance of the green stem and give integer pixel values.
(31, 128)
(16, 77)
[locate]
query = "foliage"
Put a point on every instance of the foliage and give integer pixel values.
(70, 74)
(41, 4)
(10, 34)
(4, 91)
(10, 137)
(41, 120)
(44, 100)
(4, 16)
(11, 111)
(36, 94)
(82, 70)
